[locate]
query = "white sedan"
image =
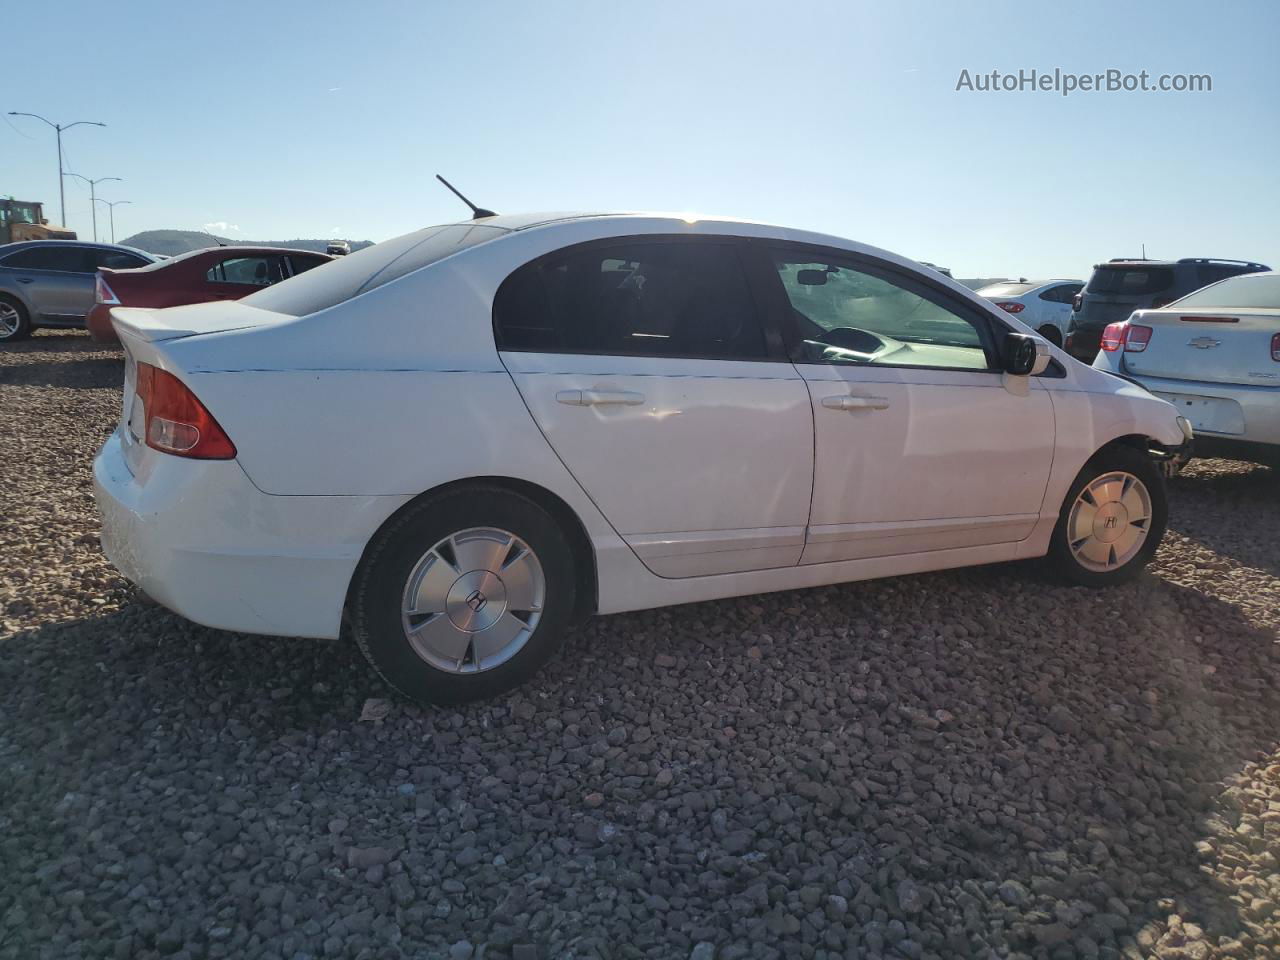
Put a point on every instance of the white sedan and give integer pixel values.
(1215, 355)
(1043, 305)
(467, 437)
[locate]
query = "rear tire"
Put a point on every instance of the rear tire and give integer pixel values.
(1112, 520)
(1051, 333)
(464, 596)
(15, 321)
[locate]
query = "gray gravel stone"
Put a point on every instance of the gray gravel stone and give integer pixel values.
(967, 764)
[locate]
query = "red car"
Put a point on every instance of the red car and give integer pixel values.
(218, 273)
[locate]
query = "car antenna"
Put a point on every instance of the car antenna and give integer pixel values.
(218, 240)
(476, 212)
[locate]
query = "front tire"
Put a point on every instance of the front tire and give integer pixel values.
(15, 321)
(464, 596)
(1112, 520)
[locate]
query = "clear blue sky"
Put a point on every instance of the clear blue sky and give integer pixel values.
(314, 119)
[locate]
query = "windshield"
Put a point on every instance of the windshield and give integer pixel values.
(371, 267)
(1006, 289)
(1252, 290)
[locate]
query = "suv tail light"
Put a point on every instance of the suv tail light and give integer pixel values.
(1077, 302)
(175, 421)
(1275, 347)
(102, 292)
(1010, 306)
(1133, 337)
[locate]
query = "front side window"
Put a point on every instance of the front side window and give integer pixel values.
(251, 271)
(642, 298)
(65, 259)
(843, 314)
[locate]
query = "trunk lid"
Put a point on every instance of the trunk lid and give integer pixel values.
(1208, 345)
(152, 325)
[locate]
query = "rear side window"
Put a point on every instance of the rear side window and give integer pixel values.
(118, 259)
(1136, 281)
(1207, 273)
(66, 259)
(1062, 293)
(250, 271)
(637, 298)
(303, 264)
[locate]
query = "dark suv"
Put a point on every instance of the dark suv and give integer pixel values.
(1119, 287)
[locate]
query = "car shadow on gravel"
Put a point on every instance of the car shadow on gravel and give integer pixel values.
(1232, 509)
(979, 779)
(87, 373)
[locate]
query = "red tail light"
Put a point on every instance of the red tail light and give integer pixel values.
(1275, 347)
(1010, 306)
(1133, 337)
(1077, 302)
(176, 421)
(103, 293)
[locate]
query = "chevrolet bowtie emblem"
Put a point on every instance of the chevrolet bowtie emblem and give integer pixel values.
(1203, 343)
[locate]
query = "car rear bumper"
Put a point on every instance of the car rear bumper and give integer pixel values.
(199, 538)
(1244, 423)
(98, 323)
(1083, 344)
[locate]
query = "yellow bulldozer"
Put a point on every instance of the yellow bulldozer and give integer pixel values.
(24, 220)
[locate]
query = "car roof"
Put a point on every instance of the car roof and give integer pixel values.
(8, 248)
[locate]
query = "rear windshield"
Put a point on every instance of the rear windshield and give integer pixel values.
(1006, 289)
(356, 273)
(1130, 280)
(1256, 290)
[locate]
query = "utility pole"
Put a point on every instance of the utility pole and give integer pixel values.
(58, 128)
(93, 197)
(111, 211)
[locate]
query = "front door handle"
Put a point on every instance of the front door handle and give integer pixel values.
(855, 403)
(26, 280)
(600, 398)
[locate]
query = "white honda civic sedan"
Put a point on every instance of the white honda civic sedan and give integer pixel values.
(467, 437)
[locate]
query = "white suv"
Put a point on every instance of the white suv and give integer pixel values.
(1215, 355)
(466, 437)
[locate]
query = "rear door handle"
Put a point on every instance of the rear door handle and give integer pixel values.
(600, 398)
(855, 403)
(26, 280)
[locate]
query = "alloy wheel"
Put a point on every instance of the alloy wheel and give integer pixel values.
(9, 320)
(473, 600)
(1109, 521)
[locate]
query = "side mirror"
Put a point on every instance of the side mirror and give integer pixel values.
(1024, 355)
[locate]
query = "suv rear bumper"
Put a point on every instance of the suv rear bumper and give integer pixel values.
(1083, 344)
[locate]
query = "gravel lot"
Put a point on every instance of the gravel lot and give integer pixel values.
(978, 763)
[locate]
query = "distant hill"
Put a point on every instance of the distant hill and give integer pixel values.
(172, 242)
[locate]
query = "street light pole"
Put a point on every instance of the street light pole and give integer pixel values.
(111, 212)
(58, 128)
(93, 197)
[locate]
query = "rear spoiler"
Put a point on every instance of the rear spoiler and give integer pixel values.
(152, 324)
